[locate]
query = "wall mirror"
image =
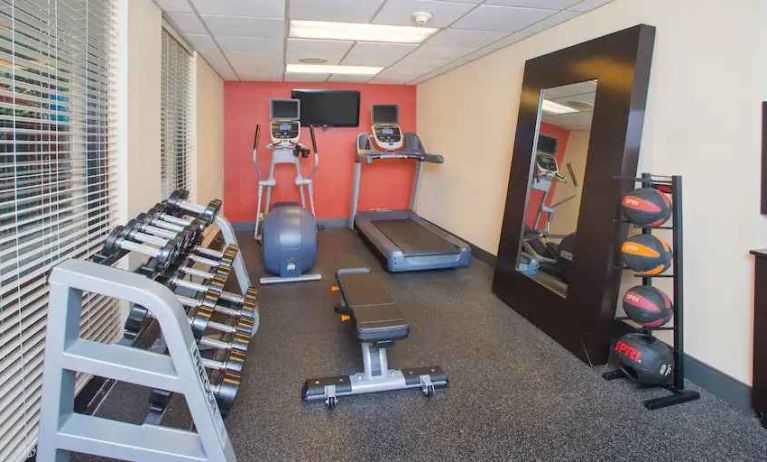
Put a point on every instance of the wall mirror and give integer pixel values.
(553, 201)
(579, 127)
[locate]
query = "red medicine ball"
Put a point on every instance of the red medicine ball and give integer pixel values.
(646, 207)
(647, 306)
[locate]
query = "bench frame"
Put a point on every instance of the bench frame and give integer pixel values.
(376, 375)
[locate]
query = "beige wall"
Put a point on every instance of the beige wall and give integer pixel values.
(209, 126)
(565, 218)
(702, 121)
(141, 185)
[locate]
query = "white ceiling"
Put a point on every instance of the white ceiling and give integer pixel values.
(577, 95)
(247, 39)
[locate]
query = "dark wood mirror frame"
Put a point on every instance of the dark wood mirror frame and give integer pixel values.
(620, 62)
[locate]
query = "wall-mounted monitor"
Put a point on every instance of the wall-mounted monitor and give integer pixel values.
(285, 109)
(385, 114)
(329, 108)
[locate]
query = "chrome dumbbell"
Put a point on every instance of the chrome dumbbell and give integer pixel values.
(233, 361)
(177, 200)
(210, 300)
(120, 239)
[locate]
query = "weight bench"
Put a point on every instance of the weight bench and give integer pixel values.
(378, 324)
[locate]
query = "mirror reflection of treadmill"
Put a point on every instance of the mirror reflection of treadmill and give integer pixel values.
(405, 240)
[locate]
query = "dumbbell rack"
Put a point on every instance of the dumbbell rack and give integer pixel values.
(679, 394)
(173, 365)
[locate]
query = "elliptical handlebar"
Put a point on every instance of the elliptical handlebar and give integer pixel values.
(316, 153)
(256, 139)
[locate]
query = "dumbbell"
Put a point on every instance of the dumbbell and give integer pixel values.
(233, 362)
(201, 321)
(225, 386)
(227, 257)
(210, 300)
(142, 224)
(228, 254)
(154, 218)
(119, 239)
(216, 286)
(208, 213)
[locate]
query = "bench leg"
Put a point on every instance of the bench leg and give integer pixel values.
(375, 377)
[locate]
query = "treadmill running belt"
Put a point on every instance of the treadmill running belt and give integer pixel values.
(413, 239)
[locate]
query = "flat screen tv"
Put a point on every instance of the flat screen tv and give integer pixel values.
(329, 108)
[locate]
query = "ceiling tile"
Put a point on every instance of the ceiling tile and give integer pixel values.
(394, 77)
(251, 8)
(349, 78)
(250, 44)
(400, 12)
(501, 18)
(248, 63)
(464, 38)
(306, 77)
(219, 63)
(339, 10)
(332, 50)
(265, 75)
(202, 42)
(551, 21)
(244, 27)
(588, 5)
(418, 65)
(175, 5)
(546, 4)
(377, 54)
(187, 23)
(439, 52)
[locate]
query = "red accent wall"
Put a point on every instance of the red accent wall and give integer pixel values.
(561, 135)
(384, 184)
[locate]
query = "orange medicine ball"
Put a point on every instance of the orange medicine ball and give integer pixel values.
(646, 254)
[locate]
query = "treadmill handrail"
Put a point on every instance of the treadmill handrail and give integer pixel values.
(366, 153)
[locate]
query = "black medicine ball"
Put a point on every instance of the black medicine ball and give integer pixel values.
(647, 306)
(646, 254)
(646, 207)
(645, 359)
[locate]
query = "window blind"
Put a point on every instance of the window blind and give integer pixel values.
(176, 115)
(58, 184)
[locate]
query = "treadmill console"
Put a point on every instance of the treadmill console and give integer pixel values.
(386, 131)
(285, 125)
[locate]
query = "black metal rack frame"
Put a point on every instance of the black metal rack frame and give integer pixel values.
(679, 394)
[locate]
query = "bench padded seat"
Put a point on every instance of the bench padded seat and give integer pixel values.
(380, 323)
(376, 317)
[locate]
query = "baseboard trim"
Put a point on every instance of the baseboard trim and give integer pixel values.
(716, 382)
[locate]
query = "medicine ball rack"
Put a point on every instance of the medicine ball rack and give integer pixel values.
(171, 234)
(679, 394)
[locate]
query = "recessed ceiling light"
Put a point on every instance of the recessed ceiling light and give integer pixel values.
(331, 69)
(312, 60)
(357, 31)
(556, 108)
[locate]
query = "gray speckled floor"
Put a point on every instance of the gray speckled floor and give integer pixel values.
(514, 395)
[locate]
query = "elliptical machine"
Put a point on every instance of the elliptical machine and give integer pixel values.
(287, 231)
(539, 251)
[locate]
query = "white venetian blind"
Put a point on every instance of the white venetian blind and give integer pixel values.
(176, 115)
(57, 183)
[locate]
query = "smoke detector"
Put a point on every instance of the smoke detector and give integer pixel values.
(421, 18)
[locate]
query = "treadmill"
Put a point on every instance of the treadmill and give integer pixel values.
(405, 240)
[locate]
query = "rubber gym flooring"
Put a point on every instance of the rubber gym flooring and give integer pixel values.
(514, 394)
